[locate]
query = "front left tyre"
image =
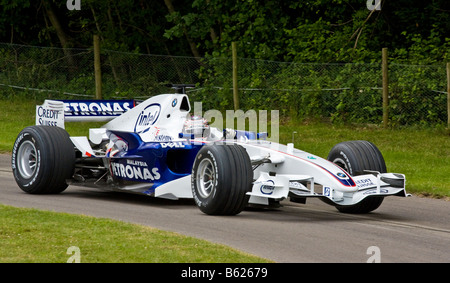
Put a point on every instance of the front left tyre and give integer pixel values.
(43, 158)
(221, 177)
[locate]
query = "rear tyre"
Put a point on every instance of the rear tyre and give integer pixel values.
(355, 157)
(43, 158)
(221, 177)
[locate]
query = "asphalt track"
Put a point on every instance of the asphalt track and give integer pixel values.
(409, 230)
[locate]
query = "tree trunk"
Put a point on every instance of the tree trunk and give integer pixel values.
(62, 36)
(188, 38)
(111, 63)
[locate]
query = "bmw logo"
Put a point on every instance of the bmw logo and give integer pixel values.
(174, 102)
(342, 175)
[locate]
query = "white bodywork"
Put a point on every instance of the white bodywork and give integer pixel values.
(292, 167)
(281, 170)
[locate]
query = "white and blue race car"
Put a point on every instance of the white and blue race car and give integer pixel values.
(157, 148)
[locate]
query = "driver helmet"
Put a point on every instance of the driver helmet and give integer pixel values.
(196, 125)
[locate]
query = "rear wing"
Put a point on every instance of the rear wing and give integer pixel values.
(56, 112)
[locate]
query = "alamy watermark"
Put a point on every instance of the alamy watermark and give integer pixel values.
(373, 5)
(375, 254)
(75, 253)
(73, 5)
(250, 121)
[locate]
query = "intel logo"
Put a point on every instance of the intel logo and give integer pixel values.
(147, 117)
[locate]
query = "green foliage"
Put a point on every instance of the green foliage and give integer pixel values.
(342, 92)
(300, 31)
(350, 92)
(417, 94)
(334, 46)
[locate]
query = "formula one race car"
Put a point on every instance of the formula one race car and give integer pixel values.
(157, 148)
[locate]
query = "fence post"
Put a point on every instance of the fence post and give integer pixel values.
(384, 68)
(97, 68)
(448, 95)
(235, 76)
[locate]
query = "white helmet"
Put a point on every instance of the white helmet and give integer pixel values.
(197, 126)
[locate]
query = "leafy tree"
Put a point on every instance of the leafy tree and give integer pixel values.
(281, 30)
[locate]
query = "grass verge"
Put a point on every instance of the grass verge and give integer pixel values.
(31, 236)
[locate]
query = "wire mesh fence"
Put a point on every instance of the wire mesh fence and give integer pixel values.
(350, 92)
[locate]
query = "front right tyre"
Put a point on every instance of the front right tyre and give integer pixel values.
(355, 157)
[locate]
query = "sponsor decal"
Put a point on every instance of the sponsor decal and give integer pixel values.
(48, 117)
(326, 191)
(347, 162)
(96, 107)
(50, 113)
(296, 185)
(14, 159)
(364, 183)
(172, 145)
(54, 112)
(147, 117)
(341, 175)
(137, 170)
(268, 189)
(374, 191)
(163, 138)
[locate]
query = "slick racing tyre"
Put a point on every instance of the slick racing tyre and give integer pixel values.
(355, 157)
(221, 176)
(43, 158)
